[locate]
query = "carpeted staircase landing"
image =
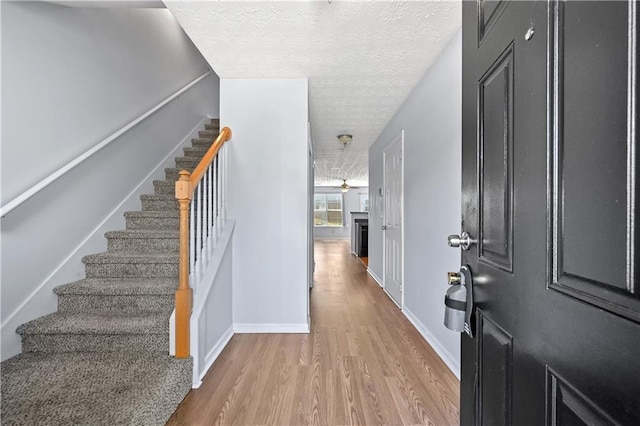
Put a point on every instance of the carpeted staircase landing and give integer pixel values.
(102, 359)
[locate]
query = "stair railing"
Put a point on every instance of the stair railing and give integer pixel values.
(202, 198)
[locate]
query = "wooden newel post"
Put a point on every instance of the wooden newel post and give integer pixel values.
(184, 293)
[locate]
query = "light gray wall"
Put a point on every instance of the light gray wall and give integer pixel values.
(71, 77)
(270, 250)
(351, 202)
(431, 119)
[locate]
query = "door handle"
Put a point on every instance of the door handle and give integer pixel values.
(383, 227)
(463, 241)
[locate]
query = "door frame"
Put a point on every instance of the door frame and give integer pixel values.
(310, 206)
(399, 138)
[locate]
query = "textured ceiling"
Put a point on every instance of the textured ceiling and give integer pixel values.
(362, 58)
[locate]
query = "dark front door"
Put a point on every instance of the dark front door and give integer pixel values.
(549, 193)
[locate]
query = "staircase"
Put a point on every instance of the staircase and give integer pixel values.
(102, 358)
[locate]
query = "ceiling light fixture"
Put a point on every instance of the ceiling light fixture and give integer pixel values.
(345, 139)
(344, 187)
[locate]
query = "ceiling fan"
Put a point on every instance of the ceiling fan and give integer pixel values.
(345, 186)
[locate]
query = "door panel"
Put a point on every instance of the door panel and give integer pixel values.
(566, 406)
(495, 351)
(495, 169)
(593, 146)
(549, 171)
(488, 14)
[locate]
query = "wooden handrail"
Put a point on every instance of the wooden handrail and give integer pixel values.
(196, 175)
(185, 186)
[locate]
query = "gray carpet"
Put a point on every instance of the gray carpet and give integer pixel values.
(101, 359)
(92, 388)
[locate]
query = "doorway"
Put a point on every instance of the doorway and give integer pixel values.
(393, 227)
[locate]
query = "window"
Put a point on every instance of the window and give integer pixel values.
(327, 210)
(364, 202)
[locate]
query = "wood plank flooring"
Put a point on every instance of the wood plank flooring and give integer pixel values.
(363, 363)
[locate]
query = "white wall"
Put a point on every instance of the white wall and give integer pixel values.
(351, 203)
(71, 77)
(269, 148)
(431, 118)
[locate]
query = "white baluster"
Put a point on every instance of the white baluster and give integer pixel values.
(210, 210)
(223, 189)
(203, 250)
(220, 189)
(192, 239)
(199, 232)
(216, 224)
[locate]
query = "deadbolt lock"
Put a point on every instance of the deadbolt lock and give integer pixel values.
(453, 278)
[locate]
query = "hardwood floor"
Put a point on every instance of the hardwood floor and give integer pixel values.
(363, 363)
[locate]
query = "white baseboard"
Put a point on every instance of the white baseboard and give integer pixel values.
(375, 277)
(270, 328)
(213, 354)
(445, 356)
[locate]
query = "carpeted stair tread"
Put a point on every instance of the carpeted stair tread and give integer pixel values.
(119, 287)
(159, 197)
(92, 388)
(110, 258)
(131, 264)
(143, 241)
(143, 233)
(83, 323)
(152, 214)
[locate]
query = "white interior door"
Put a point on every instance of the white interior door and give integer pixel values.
(392, 228)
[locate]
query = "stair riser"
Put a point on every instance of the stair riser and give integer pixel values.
(164, 187)
(153, 223)
(194, 153)
(210, 134)
(131, 270)
(201, 143)
(172, 174)
(188, 163)
(144, 245)
(115, 304)
(53, 343)
(159, 205)
(213, 126)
